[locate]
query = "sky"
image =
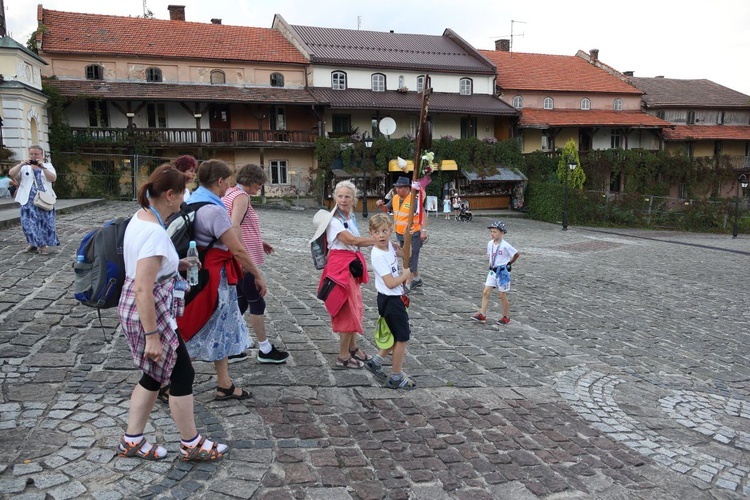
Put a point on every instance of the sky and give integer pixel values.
(687, 39)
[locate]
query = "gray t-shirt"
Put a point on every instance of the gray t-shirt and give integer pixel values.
(211, 221)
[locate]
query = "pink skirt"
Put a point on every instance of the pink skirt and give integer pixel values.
(349, 317)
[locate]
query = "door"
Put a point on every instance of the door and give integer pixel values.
(219, 123)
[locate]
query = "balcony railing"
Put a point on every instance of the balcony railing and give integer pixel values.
(192, 136)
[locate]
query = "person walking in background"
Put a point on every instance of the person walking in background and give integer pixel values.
(245, 221)
(391, 307)
(32, 175)
(212, 325)
(345, 271)
(152, 297)
(501, 256)
(400, 207)
(456, 204)
(188, 165)
(447, 207)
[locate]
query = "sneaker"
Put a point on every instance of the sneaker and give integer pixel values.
(479, 317)
(236, 358)
(274, 356)
(416, 282)
(504, 320)
(376, 370)
(404, 383)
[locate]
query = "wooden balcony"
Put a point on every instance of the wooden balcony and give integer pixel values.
(161, 137)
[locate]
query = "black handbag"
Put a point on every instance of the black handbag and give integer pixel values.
(356, 268)
(326, 288)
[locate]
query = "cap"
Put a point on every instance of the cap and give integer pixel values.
(383, 335)
(498, 225)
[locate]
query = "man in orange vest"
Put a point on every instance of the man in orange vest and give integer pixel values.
(399, 205)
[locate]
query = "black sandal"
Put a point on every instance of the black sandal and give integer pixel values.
(229, 394)
(164, 394)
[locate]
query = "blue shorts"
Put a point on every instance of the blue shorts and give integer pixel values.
(393, 310)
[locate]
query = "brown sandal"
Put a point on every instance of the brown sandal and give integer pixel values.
(198, 454)
(128, 450)
(350, 362)
(360, 355)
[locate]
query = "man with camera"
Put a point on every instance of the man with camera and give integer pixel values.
(37, 200)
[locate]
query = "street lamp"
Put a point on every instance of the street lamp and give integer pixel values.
(741, 181)
(367, 141)
(571, 166)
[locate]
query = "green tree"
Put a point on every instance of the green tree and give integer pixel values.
(577, 177)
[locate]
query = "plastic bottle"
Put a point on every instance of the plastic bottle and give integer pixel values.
(192, 273)
(81, 259)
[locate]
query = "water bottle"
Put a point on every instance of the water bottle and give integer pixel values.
(192, 273)
(81, 259)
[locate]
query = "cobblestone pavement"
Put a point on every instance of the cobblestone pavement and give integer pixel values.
(623, 374)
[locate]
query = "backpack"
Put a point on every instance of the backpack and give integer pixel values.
(100, 267)
(319, 250)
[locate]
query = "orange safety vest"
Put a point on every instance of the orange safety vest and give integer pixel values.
(401, 215)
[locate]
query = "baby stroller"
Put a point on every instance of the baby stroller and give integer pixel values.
(465, 214)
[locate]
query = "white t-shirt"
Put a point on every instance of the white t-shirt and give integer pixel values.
(186, 196)
(501, 253)
(383, 264)
(336, 226)
(145, 239)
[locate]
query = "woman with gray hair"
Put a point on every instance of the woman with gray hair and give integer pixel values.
(345, 269)
(245, 221)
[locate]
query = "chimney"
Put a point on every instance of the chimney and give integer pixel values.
(215, 21)
(176, 12)
(628, 73)
(594, 54)
(503, 45)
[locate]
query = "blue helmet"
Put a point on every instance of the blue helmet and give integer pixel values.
(498, 225)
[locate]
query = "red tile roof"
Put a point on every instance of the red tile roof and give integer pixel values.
(553, 73)
(708, 132)
(94, 34)
(545, 118)
(99, 89)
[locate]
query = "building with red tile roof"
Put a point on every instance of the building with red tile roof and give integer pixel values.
(568, 97)
(708, 119)
(176, 86)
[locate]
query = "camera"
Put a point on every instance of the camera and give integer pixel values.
(33, 162)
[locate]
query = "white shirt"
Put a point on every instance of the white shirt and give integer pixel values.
(145, 239)
(385, 263)
(336, 226)
(499, 254)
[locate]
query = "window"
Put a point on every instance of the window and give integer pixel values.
(720, 118)
(691, 117)
(157, 115)
(617, 104)
(218, 77)
(94, 72)
(338, 80)
(377, 82)
(277, 80)
(660, 114)
(342, 124)
(464, 86)
(548, 142)
(518, 102)
(278, 172)
(549, 103)
(98, 114)
(616, 140)
(401, 81)
(468, 127)
(420, 83)
(153, 75)
(585, 104)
